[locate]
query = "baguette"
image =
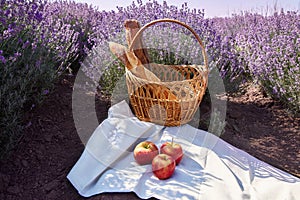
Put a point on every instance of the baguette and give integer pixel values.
(120, 52)
(131, 28)
(131, 62)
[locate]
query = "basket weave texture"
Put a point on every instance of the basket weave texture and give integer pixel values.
(175, 99)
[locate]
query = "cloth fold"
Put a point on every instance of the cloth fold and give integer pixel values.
(210, 169)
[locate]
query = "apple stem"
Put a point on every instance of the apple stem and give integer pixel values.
(172, 141)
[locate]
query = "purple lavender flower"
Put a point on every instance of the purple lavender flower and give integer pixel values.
(45, 92)
(2, 59)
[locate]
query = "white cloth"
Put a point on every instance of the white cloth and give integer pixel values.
(210, 169)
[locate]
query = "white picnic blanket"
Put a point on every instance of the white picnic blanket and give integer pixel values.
(210, 169)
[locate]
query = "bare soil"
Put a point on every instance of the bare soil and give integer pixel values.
(38, 166)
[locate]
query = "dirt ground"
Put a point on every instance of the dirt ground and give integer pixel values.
(37, 168)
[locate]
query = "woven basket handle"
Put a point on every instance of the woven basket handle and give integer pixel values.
(177, 22)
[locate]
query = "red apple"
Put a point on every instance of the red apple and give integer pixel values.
(163, 166)
(144, 152)
(172, 149)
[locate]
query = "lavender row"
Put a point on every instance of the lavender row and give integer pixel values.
(34, 51)
(266, 49)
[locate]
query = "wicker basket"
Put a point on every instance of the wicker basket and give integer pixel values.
(174, 100)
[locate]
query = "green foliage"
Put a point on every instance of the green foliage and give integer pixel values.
(26, 77)
(161, 56)
(111, 75)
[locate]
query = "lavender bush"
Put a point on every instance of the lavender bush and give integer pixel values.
(31, 58)
(73, 23)
(266, 50)
(19, 66)
(273, 56)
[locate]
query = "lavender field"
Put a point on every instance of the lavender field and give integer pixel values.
(40, 41)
